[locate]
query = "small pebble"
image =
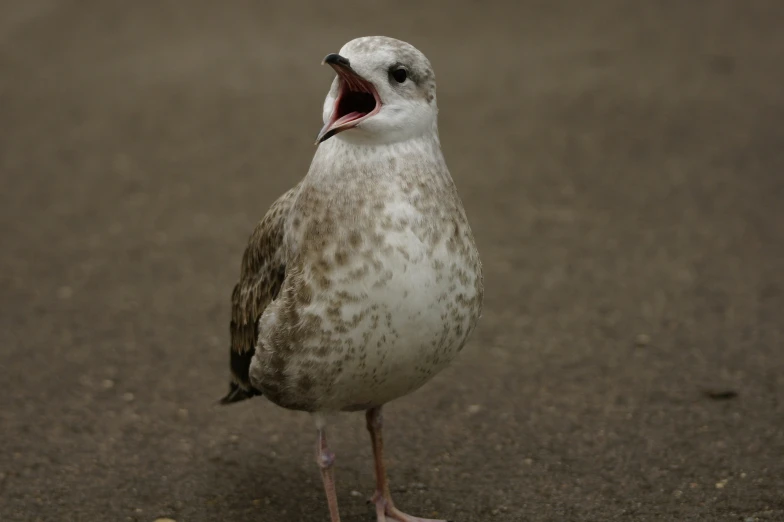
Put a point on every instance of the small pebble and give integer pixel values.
(720, 484)
(642, 340)
(107, 384)
(127, 397)
(355, 493)
(474, 408)
(528, 462)
(677, 493)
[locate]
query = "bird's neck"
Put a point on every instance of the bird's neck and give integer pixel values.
(338, 158)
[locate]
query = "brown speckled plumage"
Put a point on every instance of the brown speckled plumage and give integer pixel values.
(262, 273)
(337, 241)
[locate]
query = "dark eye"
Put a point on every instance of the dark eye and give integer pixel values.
(399, 75)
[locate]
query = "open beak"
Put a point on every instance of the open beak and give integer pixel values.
(356, 101)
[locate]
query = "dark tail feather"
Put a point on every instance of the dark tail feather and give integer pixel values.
(237, 394)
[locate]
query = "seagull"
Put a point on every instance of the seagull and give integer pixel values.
(363, 281)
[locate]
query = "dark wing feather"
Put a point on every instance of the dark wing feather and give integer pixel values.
(261, 276)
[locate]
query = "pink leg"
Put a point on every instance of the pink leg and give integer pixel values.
(325, 459)
(385, 508)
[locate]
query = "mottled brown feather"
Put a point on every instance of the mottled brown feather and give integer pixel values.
(262, 274)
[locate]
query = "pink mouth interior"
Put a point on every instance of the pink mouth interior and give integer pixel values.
(356, 100)
(355, 115)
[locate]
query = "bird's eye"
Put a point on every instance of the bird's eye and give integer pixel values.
(399, 75)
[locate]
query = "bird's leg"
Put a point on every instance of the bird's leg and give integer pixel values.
(385, 508)
(325, 459)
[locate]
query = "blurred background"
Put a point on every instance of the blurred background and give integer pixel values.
(621, 165)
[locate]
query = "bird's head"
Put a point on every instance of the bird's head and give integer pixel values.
(384, 92)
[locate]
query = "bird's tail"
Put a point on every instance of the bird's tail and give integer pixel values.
(237, 393)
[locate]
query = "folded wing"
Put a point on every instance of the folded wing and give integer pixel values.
(262, 274)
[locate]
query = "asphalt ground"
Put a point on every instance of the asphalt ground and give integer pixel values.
(621, 165)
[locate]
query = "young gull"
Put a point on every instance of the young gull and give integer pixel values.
(363, 281)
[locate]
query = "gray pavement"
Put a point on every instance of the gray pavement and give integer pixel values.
(622, 166)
